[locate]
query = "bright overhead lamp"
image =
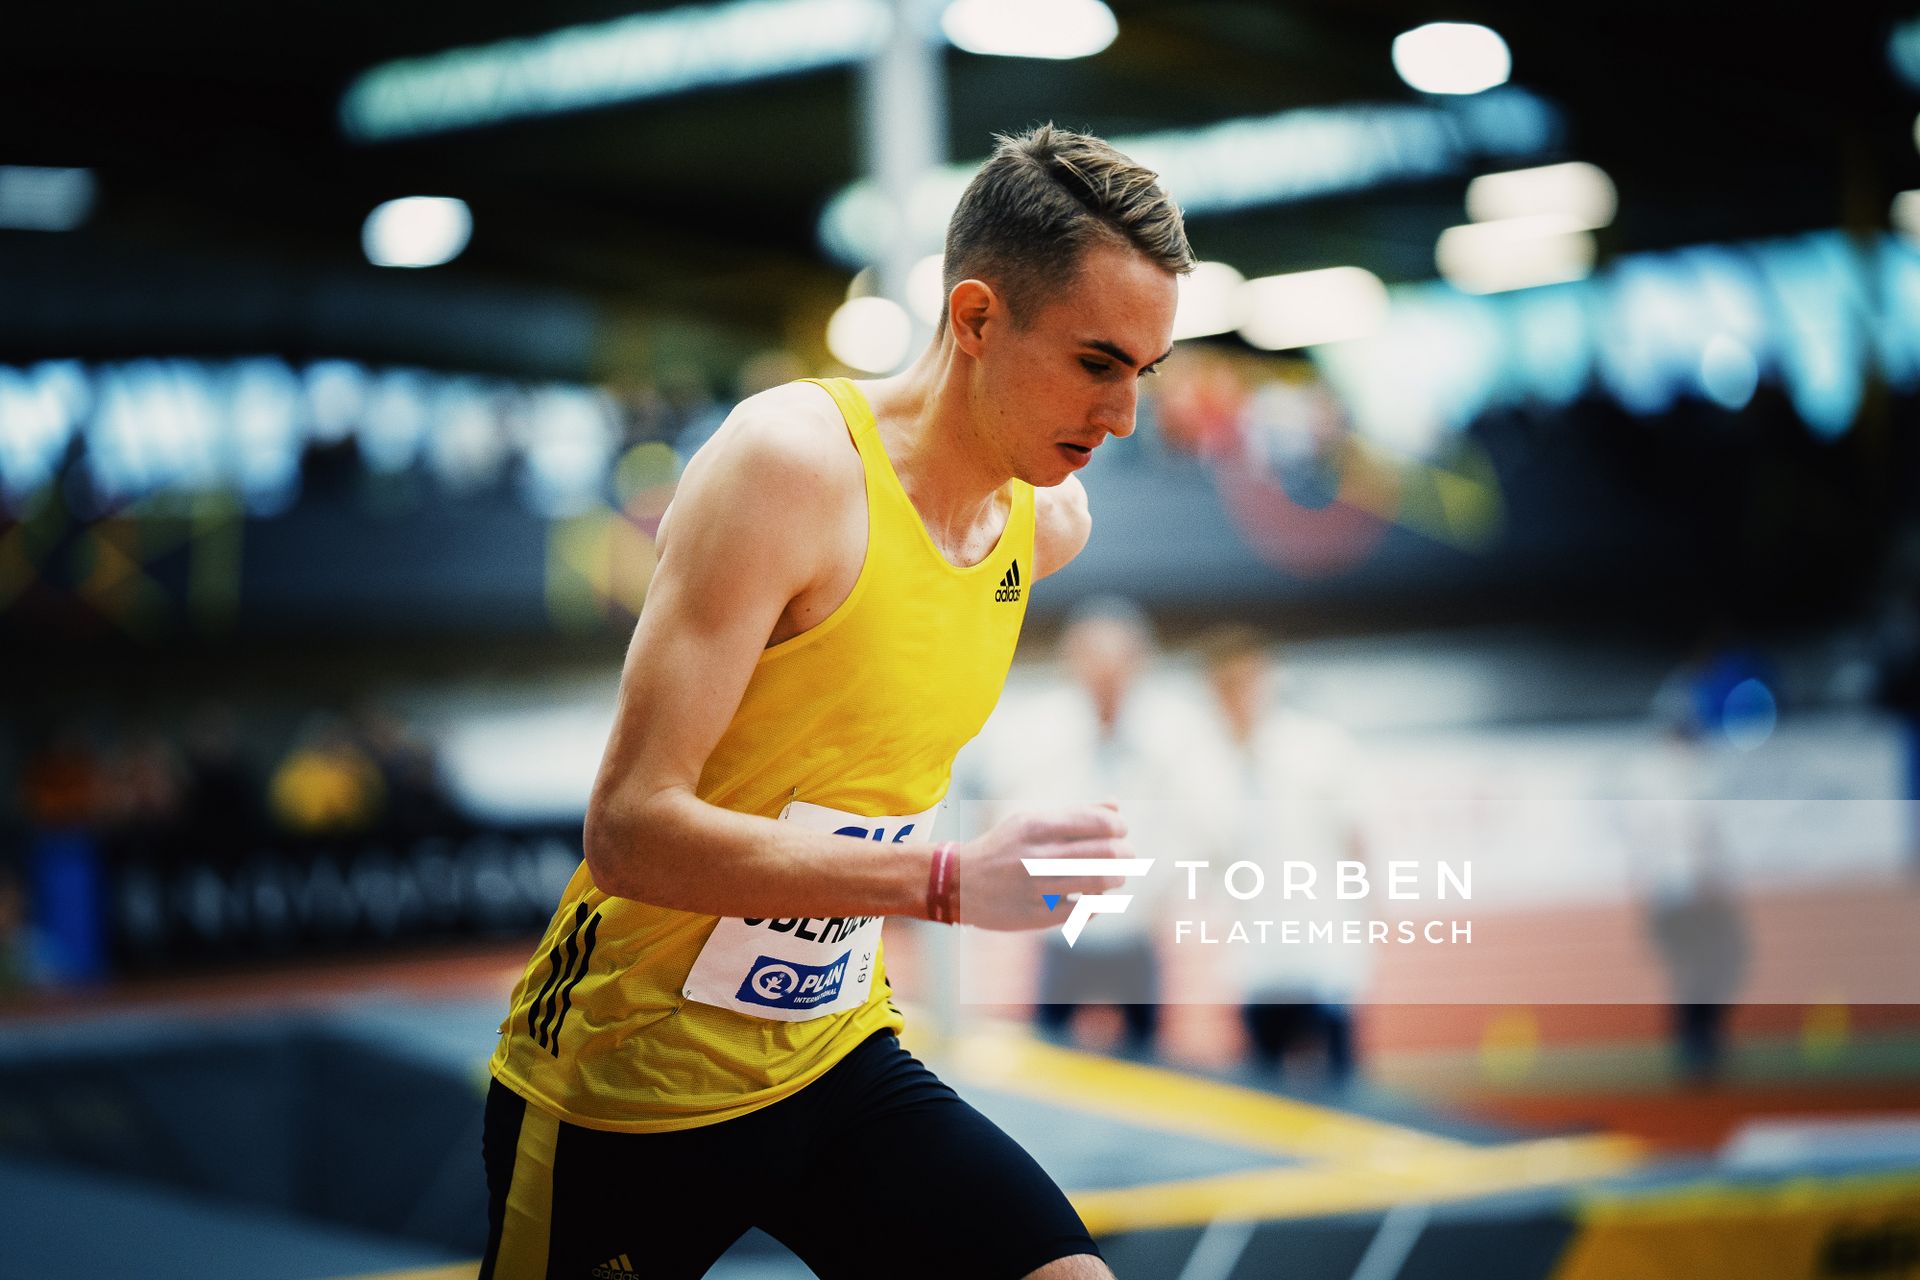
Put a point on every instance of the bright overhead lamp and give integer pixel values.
(1903, 51)
(1310, 308)
(629, 59)
(1030, 28)
(417, 231)
(926, 296)
(1577, 191)
(37, 198)
(1209, 301)
(1904, 214)
(1247, 163)
(926, 289)
(871, 335)
(1514, 253)
(1452, 57)
(1729, 375)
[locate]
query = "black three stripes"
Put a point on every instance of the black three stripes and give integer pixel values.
(549, 1012)
(1009, 585)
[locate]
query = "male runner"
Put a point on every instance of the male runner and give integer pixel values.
(705, 1039)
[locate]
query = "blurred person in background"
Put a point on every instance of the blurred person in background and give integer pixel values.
(1894, 641)
(1096, 737)
(225, 792)
(64, 782)
(14, 836)
(1292, 783)
(68, 798)
(1693, 913)
(417, 803)
(15, 951)
(842, 579)
(148, 794)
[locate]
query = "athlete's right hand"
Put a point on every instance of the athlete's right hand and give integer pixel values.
(997, 892)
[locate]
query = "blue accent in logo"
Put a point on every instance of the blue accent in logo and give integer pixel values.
(875, 833)
(1051, 899)
(783, 984)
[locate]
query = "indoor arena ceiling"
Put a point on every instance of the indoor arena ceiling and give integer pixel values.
(213, 133)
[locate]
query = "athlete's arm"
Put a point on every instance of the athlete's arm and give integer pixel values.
(1061, 525)
(758, 520)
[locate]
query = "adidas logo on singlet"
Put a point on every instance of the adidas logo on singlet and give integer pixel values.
(614, 1267)
(1009, 585)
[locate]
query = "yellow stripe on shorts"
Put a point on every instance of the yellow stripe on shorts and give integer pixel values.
(528, 1228)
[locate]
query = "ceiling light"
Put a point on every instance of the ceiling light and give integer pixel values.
(1578, 191)
(1514, 253)
(33, 198)
(1452, 57)
(871, 335)
(1247, 162)
(417, 231)
(1903, 51)
(1209, 301)
(1728, 372)
(1308, 308)
(926, 289)
(1904, 214)
(1030, 28)
(645, 55)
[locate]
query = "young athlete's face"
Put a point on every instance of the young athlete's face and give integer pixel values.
(1053, 388)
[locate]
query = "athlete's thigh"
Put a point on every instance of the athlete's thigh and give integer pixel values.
(910, 1180)
(568, 1203)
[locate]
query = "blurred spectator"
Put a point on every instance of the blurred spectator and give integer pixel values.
(1895, 640)
(692, 408)
(332, 468)
(225, 791)
(1294, 797)
(15, 942)
(327, 785)
(1694, 917)
(147, 786)
(1099, 738)
(64, 782)
(68, 794)
(1199, 405)
(1724, 694)
(416, 798)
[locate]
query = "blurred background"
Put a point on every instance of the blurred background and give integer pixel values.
(1528, 487)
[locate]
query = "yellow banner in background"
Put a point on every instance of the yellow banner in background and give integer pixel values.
(1859, 1228)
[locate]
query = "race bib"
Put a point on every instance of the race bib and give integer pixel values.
(795, 969)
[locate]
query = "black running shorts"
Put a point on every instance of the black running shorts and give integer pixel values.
(876, 1169)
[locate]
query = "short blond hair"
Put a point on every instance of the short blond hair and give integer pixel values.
(1041, 200)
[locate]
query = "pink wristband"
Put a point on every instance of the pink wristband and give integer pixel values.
(943, 885)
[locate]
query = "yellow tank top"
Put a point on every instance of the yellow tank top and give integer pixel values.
(861, 714)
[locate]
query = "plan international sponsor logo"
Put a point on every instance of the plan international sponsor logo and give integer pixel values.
(787, 984)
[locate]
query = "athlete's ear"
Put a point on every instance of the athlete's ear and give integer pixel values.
(970, 307)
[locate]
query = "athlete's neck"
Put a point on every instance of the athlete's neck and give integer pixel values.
(946, 465)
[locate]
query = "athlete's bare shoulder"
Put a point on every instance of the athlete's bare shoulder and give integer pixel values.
(789, 438)
(1062, 522)
(784, 451)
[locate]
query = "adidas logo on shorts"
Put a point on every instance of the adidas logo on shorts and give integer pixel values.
(1009, 585)
(614, 1267)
